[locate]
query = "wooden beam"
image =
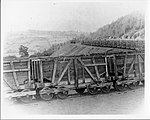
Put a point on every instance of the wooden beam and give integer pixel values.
(64, 71)
(72, 57)
(95, 64)
(17, 70)
(16, 61)
(32, 64)
(142, 57)
(134, 70)
(109, 64)
(132, 63)
(139, 64)
(125, 65)
(109, 55)
(8, 84)
(54, 71)
(123, 54)
(106, 66)
(115, 66)
(19, 94)
(35, 76)
(96, 69)
(88, 71)
(14, 74)
(83, 74)
(75, 72)
(41, 72)
(102, 73)
(29, 74)
(37, 69)
(69, 79)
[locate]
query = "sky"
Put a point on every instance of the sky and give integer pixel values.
(86, 16)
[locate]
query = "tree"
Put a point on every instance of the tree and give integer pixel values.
(23, 51)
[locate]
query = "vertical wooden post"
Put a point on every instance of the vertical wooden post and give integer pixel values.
(30, 69)
(134, 71)
(110, 64)
(75, 72)
(96, 69)
(35, 76)
(83, 74)
(139, 64)
(32, 65)
(125, 65)
(14, 74)
(69, 80)
(115, 66)
(54, 70)
(41, 72)
(29, 73)
(106, 66)
(37, 69)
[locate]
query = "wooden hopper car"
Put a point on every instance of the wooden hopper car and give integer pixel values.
(74, 67)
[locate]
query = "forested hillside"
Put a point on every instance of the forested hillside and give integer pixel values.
(131, 26)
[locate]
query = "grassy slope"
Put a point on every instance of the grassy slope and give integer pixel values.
(36, 41)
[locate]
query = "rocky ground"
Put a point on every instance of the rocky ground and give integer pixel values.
(115, 103)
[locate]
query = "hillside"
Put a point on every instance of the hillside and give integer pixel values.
(36, 41)
(131, 26)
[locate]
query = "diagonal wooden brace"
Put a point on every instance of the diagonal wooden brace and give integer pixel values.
(131, 66)
(96, 69)
(54, 70)
(15, 75)
(62, 74)
(88, 71)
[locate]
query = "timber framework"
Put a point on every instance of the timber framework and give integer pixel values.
(74, 67)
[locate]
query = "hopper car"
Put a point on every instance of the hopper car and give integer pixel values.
(73, 67)
(116, 43)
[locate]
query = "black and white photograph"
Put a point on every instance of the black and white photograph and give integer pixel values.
(74, 59)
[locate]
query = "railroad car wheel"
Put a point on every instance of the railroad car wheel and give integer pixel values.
(27, 98)
(132, 85)
(46, 95)
(143, 82)
(106, 89)
(38, 97)
(14, 99)
(62, 95)
(137, 83)
(80, 91)
(121, 87)
(92, 90)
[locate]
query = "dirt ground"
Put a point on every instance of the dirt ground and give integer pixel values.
(115, 103)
